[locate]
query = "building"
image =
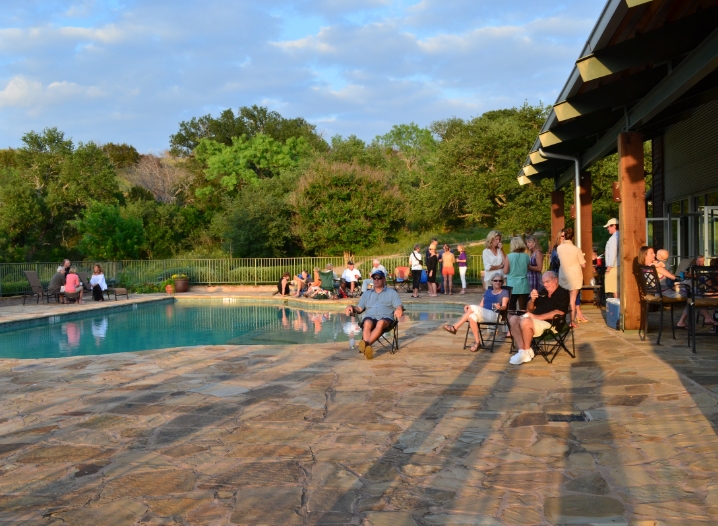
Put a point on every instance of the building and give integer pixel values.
(648, 72)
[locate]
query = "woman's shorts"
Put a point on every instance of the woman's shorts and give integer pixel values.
(447, 271)
(480, 314)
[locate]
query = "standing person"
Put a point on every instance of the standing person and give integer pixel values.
(98, 283)
(447, 269)
(611, 258)
(462, 260)
(432, 263)
(73, 285)
(516, 268)
(535, 263)
(553, 262)
(415, 262)
(570, 274)
(493, 257)
(66, 265)
(434, 242)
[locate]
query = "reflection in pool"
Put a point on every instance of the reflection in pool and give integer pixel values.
(187, 323)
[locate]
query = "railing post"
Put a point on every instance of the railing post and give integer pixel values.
(255, 272)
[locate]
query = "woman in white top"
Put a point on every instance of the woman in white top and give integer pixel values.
(493, 258)
(98, 280)
(416, 263)
(570, 273)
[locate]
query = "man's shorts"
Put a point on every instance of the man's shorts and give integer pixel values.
(387, 320)
(539, 326)
(610, 281)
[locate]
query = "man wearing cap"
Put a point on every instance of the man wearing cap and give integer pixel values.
(351, 276)
(610, 281)
(380, 305)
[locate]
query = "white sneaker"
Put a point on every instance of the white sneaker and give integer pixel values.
(531, 353)
(520, 357)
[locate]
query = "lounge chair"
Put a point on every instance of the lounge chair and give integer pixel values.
(327, 279)
(85, 279)
(36, 288)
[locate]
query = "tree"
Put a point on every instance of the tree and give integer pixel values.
(344, 207)
(258, 222)
(249, 121)
(20, 216)
(248, 160)
(164, 177)
(121, 155)
(107, 234)
(411, 143)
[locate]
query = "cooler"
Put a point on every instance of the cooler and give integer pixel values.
(613, 312)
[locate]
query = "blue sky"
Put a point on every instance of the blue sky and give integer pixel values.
(131, 70)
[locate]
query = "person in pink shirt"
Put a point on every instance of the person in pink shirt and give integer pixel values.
(73, 285)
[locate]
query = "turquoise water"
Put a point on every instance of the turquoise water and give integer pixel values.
(185, 323)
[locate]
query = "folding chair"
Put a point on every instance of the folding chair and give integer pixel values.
(85, 280)
(387, 340)
(402, 278)
(704, 286)
(327, 279)
(554, 339)
(36, 288)
(652, 294)
(493, 327)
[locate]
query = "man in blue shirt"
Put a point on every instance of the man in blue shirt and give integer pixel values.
(380, 306)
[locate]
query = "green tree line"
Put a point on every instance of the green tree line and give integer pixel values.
(256, 184)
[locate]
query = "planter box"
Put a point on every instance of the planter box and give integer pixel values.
(181, 285)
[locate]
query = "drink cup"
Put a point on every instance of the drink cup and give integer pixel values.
(495, 307)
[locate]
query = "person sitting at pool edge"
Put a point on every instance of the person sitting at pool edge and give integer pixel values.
(380, 306)
(495, 299)
(351, 276)
(542, 307)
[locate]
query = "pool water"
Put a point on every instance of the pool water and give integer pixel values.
(186, 323)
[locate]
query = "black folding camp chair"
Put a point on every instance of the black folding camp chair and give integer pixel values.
(492, 327)
(555, 338)
(390, 337)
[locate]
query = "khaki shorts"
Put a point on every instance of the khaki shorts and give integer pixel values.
(539, 326)
(610, 281)
(480, 314)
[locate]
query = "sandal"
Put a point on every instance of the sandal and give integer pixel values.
(581, 319)
(450, 328)
(475, 347)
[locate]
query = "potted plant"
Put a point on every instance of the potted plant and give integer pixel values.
(168, 286)
(181, 282)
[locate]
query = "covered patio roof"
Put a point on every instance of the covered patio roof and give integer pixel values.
(646, 65)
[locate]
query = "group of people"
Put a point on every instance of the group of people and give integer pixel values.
(438, 263)
(67, 286)
(350, 283)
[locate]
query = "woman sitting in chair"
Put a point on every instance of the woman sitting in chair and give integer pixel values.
(495, 299)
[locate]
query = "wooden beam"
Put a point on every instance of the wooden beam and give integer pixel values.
(537, 158)
(634, 3)
(558, 220)
(587, 232)
(595, 123)
(666, 43)
(632, 218)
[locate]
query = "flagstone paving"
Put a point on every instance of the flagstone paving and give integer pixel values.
(433, 435)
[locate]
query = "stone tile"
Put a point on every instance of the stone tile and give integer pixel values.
(268, 506)
(575, 509)
(395, 518)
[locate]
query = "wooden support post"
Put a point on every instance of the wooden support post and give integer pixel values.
(557, 217)
(632, 218)
(587, 232)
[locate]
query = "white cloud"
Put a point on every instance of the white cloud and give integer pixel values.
(131, 71)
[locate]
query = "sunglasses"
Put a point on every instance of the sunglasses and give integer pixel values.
(375, 278)
(497, 280)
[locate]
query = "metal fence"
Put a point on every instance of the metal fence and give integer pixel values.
(232, 271)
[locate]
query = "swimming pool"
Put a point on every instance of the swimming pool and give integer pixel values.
(185, 323)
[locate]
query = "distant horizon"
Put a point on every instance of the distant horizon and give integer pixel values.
(130, 72)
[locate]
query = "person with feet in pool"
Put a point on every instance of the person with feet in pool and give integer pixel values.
(543, 305)
(380, 306)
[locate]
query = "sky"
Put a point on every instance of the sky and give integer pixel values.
(129, 71)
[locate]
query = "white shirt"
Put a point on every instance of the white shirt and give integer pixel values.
(379, 267)
(98, 279)
(351, 275)
(611, 254)
(415, 260)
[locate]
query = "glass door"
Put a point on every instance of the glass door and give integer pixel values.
(707, 232)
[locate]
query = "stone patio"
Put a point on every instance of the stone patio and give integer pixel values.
(433, 435)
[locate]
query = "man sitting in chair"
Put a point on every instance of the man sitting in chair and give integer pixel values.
(380, 306)
(542, 307)
(351, 276)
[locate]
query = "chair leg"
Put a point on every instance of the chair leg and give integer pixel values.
(673, 324)
(644, 321)
(660, 327)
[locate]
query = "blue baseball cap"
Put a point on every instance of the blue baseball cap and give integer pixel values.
(378, 272)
